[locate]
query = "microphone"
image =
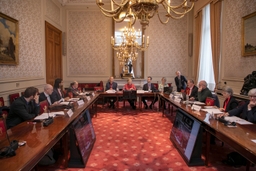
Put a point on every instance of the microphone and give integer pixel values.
(49, 120)
(8, 151)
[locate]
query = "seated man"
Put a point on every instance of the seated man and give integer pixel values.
(193, 90)
(73, 88)
(24, 108)
(111, 85)
(149, 87)
(246, 111)
(48, 89)
(130, 86)
(203, 91)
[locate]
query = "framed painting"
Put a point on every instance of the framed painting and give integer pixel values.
(9, 40)
(248, 35)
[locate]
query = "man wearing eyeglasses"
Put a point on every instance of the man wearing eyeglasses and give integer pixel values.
(246, 111)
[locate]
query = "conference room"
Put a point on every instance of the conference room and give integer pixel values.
(75, 40)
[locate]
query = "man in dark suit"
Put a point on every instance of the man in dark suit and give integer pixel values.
(180, 81)
(24, 108)
(149, 87)
(73, 88)
(203, 91)
(192, 90)
(111, 85)
(48, 89)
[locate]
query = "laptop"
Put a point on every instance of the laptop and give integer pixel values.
(167, 90)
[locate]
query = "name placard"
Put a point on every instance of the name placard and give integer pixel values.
(80, 102)
(88, 98)
(93, 94)
(177, 100)
(196, 107)
(171, 96)
(70, 112)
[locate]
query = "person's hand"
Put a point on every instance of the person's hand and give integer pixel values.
(192, 98)
(223, 114)
(36, 98)
(56, 103)
(251, 105)
(200, 89)
(66, 98)
(222, 109)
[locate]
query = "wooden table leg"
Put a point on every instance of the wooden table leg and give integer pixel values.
(207, 151)
(65, 145)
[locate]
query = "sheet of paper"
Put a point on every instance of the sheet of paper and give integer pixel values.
(254, 141)
(74, 99)
(58, 113)
(214, 111)
(44, 116)
(110, 91)
(64, 103)
(237, 120)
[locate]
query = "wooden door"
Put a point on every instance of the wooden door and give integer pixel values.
(53, 53)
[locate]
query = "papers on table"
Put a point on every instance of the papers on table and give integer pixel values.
(46, 115)
(74, 99)
(111, 91)
(140, 91)
(197, 102)
(65, 103)
(212, 111)
(237, 120)
(83, 94)
(254, 141)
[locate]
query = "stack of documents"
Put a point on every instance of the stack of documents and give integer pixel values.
(47, 115)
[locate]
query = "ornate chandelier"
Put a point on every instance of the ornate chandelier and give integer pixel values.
(128, 49)
(145, 9)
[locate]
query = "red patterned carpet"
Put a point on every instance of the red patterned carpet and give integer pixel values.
(129, 140)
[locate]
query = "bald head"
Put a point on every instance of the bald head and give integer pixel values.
(48, 89)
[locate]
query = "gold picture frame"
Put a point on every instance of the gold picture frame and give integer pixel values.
(248, 35)
(9, 40)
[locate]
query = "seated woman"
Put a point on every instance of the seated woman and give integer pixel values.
(57, 93)
(246, 111)
(162, 84)
(130, 86)
(230, 102)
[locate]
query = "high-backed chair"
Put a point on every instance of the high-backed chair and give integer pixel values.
(216, 100)
(13, 97)
(209, 101)
(3, 109)
(129, 95)
(43, 104)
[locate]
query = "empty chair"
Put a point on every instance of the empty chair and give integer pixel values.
(43, 106)
(13, 97)
(3, 109)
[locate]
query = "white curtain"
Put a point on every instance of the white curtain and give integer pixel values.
(205, 55)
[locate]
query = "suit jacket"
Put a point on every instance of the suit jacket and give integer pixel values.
(152, 87)
(242, 112)
(194, 92)
(75, 92)
(204, 94)
(55, 96)
(114, 85)
(232, 104)
(21, 111)
(42, 97)
(183, 83)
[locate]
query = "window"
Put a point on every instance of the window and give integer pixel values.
(205, 55)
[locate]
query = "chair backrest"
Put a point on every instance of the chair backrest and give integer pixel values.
(209, 101)
(1, 101)
(129, 94)
(98, 89)
(2, 129)
(216, 100)
(43, 104)
(13, 97)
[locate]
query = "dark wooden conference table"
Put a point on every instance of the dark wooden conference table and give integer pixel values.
(239, 137)
(41, 139)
